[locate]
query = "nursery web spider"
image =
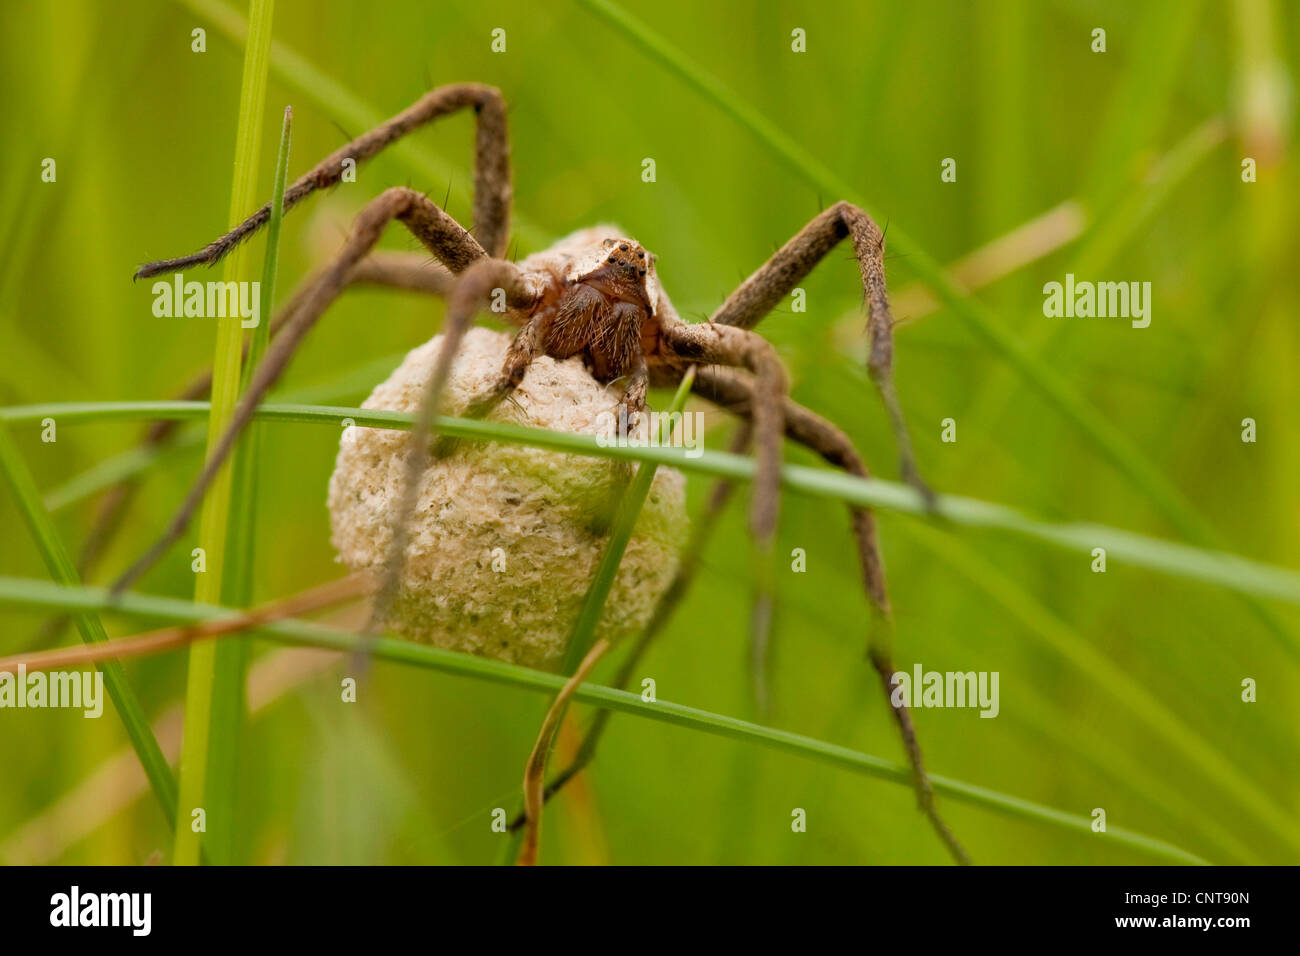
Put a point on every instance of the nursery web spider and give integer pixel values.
(597, 295)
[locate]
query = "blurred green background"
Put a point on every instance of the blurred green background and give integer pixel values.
(1145, 141)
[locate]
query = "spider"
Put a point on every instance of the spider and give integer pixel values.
(597, 295)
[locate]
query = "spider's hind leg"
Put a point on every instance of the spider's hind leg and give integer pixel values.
(734, 393)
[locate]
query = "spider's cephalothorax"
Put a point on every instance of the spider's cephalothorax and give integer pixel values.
(600, 298)
(595, 294)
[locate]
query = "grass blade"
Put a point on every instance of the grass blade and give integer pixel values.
(1111, 680)
(215, 515)
(92, 631)
(1097, 250)
(1219, 568)
(583, 633)
(26, 592)
(230, 660)
(629, 509)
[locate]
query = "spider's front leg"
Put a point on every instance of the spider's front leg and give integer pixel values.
(776, 278)
(440, 234)
(411, 271)
(492, 190)
(453, 246)
(713, 344)
(471, 292)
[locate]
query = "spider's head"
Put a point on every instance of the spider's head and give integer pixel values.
(623, 271)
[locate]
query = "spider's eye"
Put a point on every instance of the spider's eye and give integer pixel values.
(642, 272)
(611, 258)
(640, 255)
(622, 247)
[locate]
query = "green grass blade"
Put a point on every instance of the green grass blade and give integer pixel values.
(92, 631)
(107, 472)
(583, 633)
(214, 517)
(1219, 568)
(26, 592)
(135, 461)
(629, 509)
(271, 258)
(230, 660)
(1160, 41)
